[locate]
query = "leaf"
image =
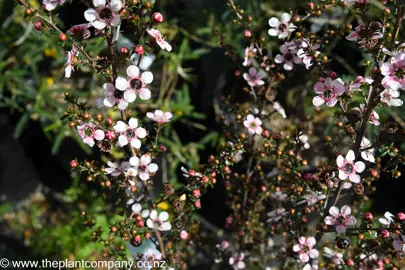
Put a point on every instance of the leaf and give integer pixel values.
(58, 141)
(19, 128)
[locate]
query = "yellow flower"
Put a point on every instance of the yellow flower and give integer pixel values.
(50, 52)
(49, 81)
(163, 205)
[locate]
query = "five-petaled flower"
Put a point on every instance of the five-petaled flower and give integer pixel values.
(328, 92)
(276, 215)
(104, 14)
(143, 166)
(160, 117)
(130, 133)
(348, 169)
(305, 248)
(158, 222)
(114, 96)
(80, 31)
(394, 72)
(254, 77)
(340, 219)
(160, 40)
(390, 97)
(88, 133)
(253, 124)
(135, 84)
(281, 28)
(116, 169)
(334, 256)
(288, 56)
(374, 117)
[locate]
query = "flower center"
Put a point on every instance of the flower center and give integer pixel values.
(341, 219)
(348, 168)
(289, 57)
(282, 27)
(400, 73)
(136, 84)
(253, 125)
(88, 131)
(157, 223)
(118, 94)
(142, 168)
(106, 14)
(130, 133)
(328, 93)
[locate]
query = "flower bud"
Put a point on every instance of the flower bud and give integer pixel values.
(157, 17)
(62, 37)
(368, 216)
(183, 235)
(73, 163)
(401, 216)
(38, 25)
(385, 234)
(139, 49)
(124, 51)
(247, 34)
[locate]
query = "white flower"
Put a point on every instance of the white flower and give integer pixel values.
(158, 37)
(51, 4)
(387, 220)
(237, 261)
(158, 222)
(348, 168)
(159, 116)
(143, 166)
(104, 14)
(304, 140)
(278, 108)
(313, 197)
(135, 84)
(114, 96)
(130, 133)
(340, 219)
(369, 153)
(281, 28)
(390, 97)
(253, 125)
(116, 169)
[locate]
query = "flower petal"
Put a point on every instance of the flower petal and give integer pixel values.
(350, 156)
(121, 83)
(90, 15)
(359, 166)
(147, 77)
(133, 71)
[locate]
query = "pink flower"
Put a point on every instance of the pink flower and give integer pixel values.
(104, 14)
(183, 235)
(278, 196)
(373, 116)
(196, 193)
(51, 4)
(394, 72)
(249, 53)
(159, 116)
(114, 96)
(197, 204)
(253, 125)
(328, 92)
(399, 244)
(361, 33)
(130, 133)
(254, 78)
(281, 28)
(360, 82)
(236, 261)
(88, 133)
(158, 37)
(289, 56)
(390, 97)
(340, 219)
(69, 64)
(313, 197)
(143, 166)
(349, 169)
(305, 248)
(135, 84)
(80, 31)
